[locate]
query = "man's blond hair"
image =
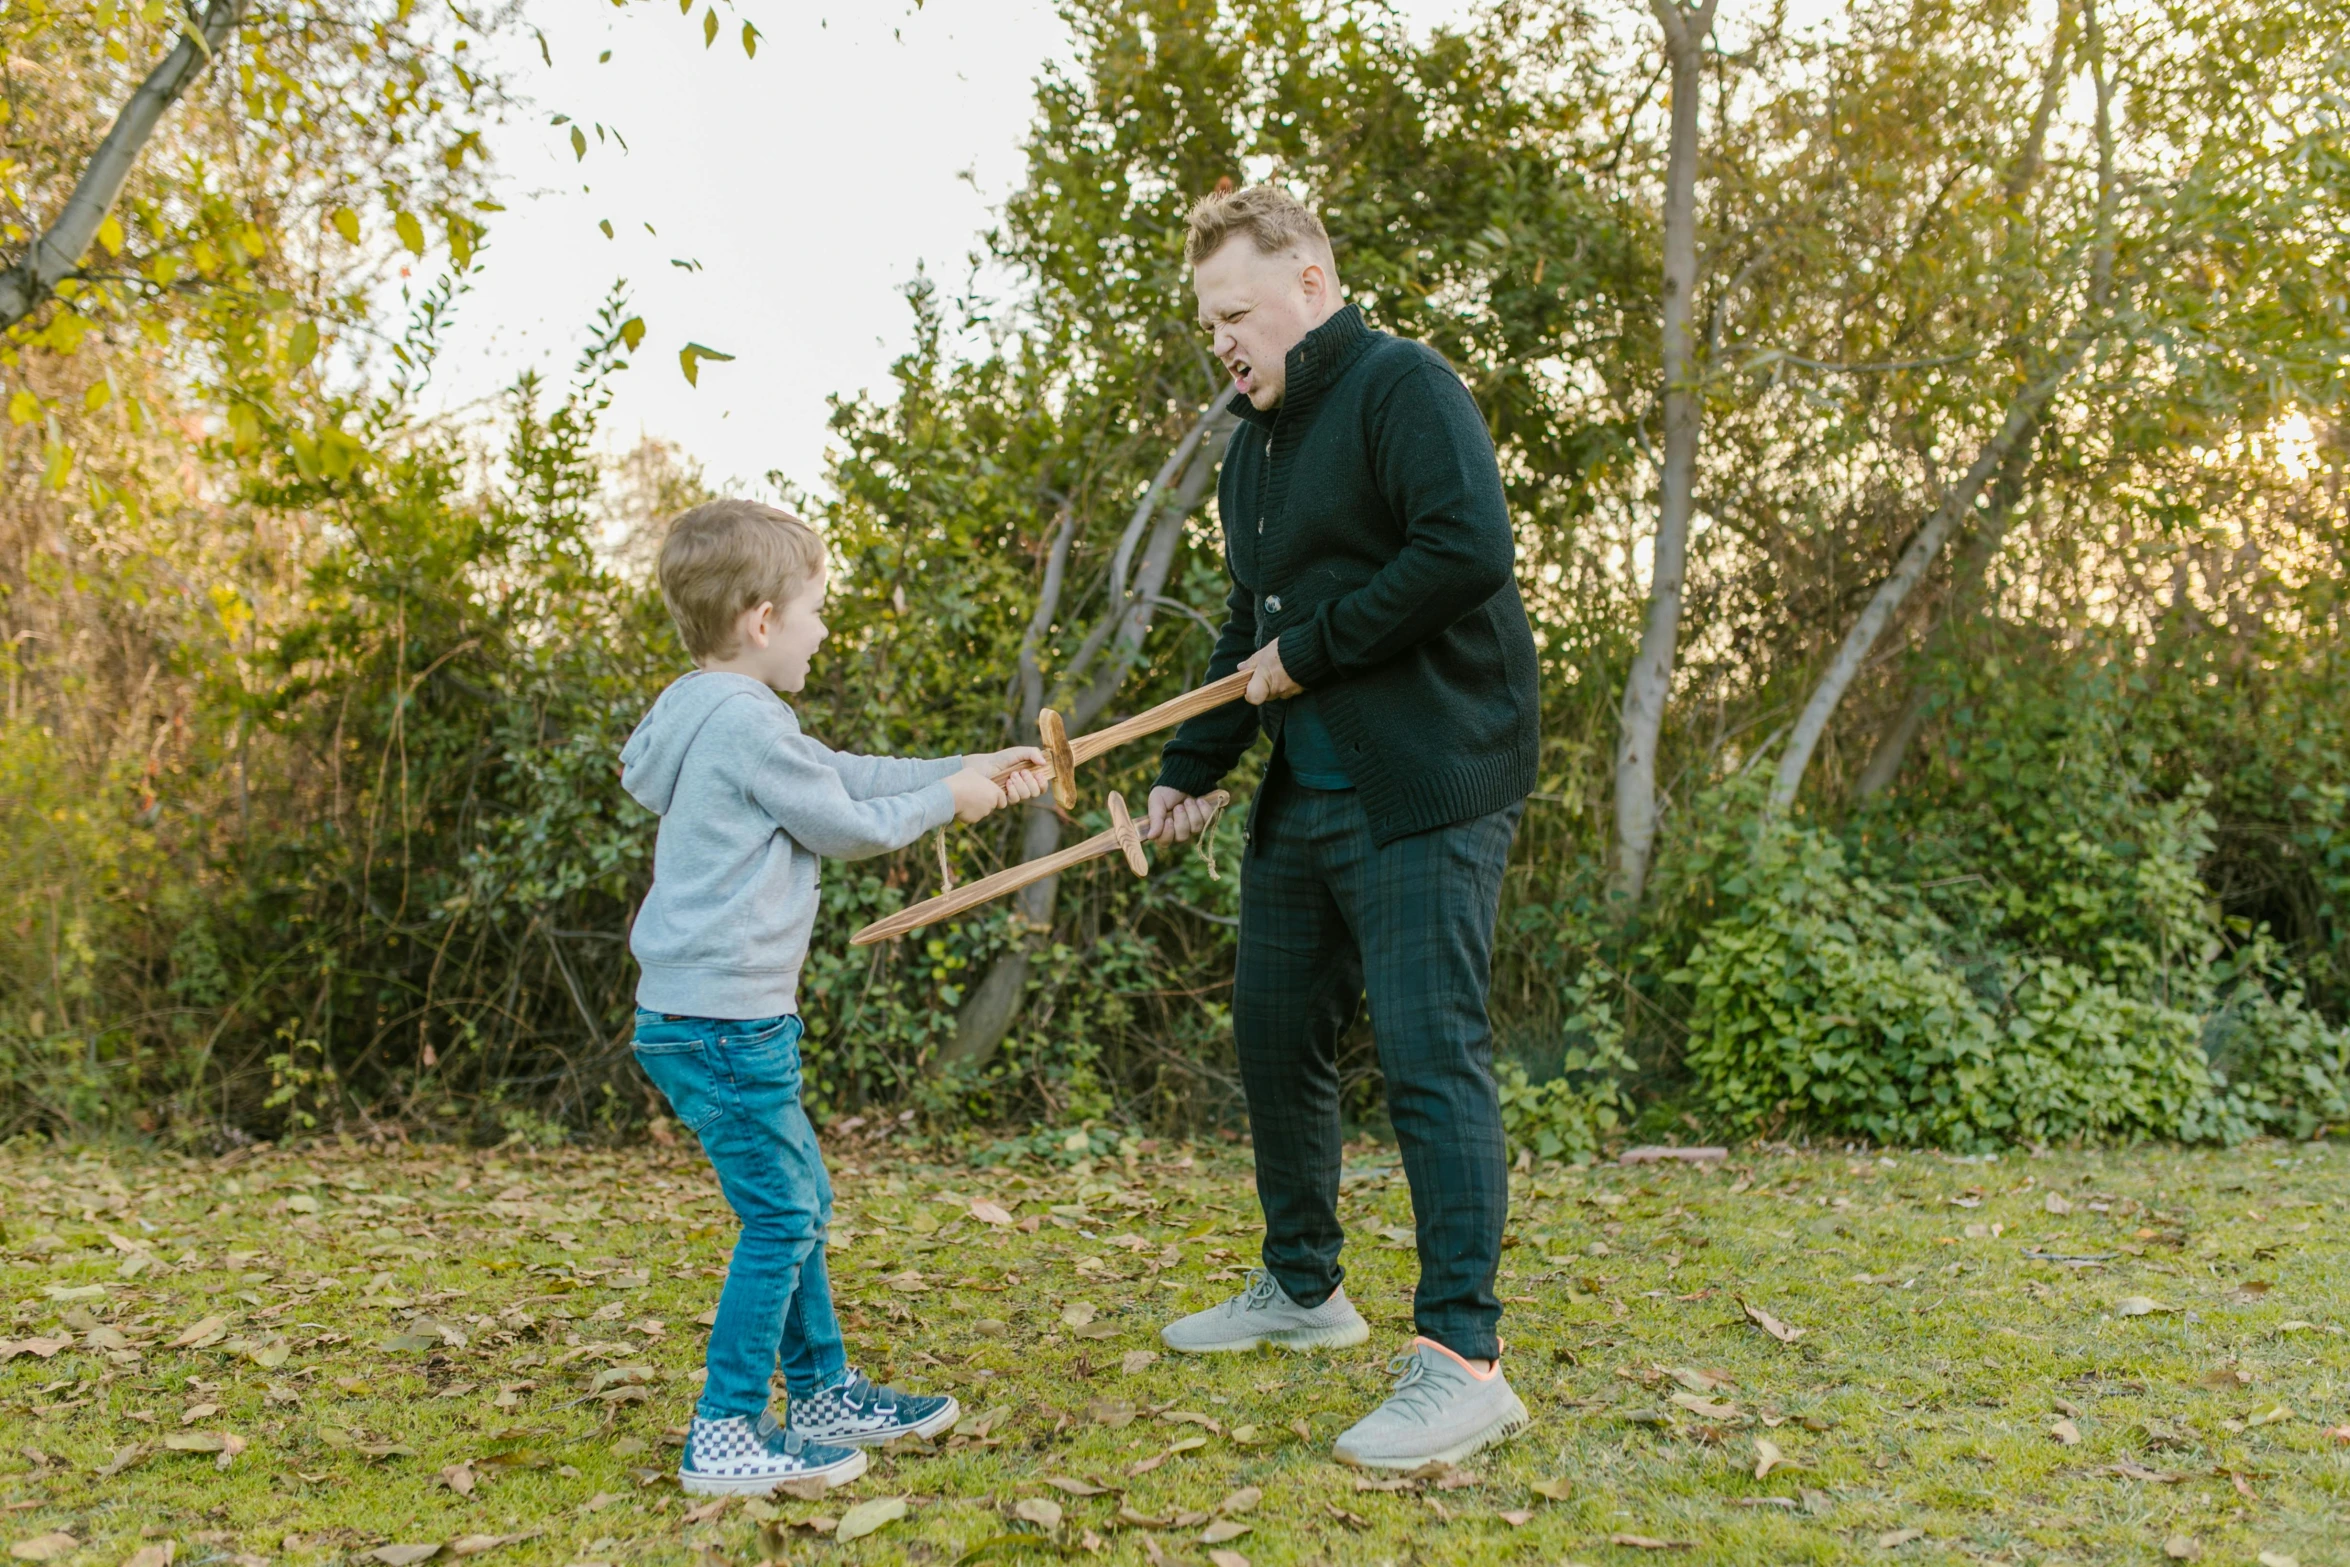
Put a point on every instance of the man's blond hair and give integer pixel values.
(1273, 219)
(724, 557)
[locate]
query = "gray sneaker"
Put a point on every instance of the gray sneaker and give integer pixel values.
(1440, 1412)
(1263, 1313)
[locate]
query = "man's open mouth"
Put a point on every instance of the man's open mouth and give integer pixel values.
(1240, 372)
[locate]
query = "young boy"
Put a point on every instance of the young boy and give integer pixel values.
(747, 805)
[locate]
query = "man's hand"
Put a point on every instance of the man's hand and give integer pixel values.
(1268, 681)
(977, 795)
(1175, 817)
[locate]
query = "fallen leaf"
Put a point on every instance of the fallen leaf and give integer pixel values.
(123, 1458)
(2296, 1325)
(1221, 1530)
(1556, 1490)
(403, 1555)
(1893, 1538)
(1641, 1542)
(1116, 1413)
(1138, 1360)
(1042, 1511)
(459, 1478)
(1244, 1500)
(1705, 1407)
(2181, 1548)
(44, 1547)
(157, 1555)
(1078, 1313)
(475, 1544)
(2277, 1559)
(988, 1213)
(203, 1334)
(1772, 1325)
(1767, 1457)
(1517, 1518)
(1700, 1381)
(2066, 1432)
(862, 1519)
(1076, 1487)
(1227, 1559)
(2055, 1203)
(2273, 1415)
(1139, 1520)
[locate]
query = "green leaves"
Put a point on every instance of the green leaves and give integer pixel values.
(410, 232)
(690, 357)
(709, 27)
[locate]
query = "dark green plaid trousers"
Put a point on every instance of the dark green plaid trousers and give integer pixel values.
(1327, 917)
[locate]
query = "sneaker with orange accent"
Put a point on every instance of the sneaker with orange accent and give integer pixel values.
(1442, 1410)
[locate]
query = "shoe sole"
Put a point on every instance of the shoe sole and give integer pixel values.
(1344, 1336)
(925, 1429)
(1510, 1424)
(760, 1485)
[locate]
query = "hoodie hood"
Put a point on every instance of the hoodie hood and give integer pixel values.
(655, 754)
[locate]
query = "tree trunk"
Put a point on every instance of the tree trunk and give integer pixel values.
(989, 1012)
(1649, 684)
(1966, 592)
(59, 248)
(2023, 417)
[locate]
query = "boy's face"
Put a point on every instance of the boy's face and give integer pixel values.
(774, 643)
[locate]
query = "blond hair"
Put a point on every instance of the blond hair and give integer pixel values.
(724, 557)
(1273, 219)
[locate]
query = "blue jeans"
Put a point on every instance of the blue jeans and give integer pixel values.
(736, 1085)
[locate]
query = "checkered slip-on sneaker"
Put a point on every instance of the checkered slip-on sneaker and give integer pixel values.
(736, 1456)
(863, 1413)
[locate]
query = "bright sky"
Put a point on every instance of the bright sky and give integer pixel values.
(807, 183)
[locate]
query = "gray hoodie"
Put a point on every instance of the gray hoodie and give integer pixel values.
(747, 803)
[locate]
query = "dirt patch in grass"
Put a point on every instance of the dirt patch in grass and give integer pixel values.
(342, 1354)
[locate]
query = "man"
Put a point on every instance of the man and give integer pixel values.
(1391, 661)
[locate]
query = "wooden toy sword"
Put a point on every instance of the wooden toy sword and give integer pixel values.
(1064, 756)
(1123, 838)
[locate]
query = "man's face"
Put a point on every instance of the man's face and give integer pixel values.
(1257, 308)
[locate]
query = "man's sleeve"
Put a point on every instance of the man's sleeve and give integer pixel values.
(871, 777)
(1433, 461)
(1205, 748)
(795, 783)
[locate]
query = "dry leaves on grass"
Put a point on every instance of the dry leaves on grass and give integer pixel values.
(864, 1518)
(1771, 1325)
(1038, 1510)
(2066, 1432)
(1643, 1542)
(1893, 1539)
(1767, 1457)
(45, 1547)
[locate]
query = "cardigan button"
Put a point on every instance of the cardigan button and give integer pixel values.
(1273, 603)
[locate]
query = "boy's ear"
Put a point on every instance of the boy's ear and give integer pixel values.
(759, 624)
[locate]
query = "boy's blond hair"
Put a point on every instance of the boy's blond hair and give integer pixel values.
(1273, 219)
(724, 557)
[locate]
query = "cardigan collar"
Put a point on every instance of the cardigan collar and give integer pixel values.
(1312, 367)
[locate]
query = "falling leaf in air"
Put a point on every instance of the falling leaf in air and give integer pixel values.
(1767, 1457)
(1771, 1325)
(1044, 1512)
(862, 1519)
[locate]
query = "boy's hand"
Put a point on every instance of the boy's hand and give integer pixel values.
(1012, 759)
(976, 794)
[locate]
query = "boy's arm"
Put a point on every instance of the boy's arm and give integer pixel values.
(871, 777)
(798, 784)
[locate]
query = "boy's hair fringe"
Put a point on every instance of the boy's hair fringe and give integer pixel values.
(726, 556)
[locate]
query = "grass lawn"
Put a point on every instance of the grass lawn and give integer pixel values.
(335, 1353)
